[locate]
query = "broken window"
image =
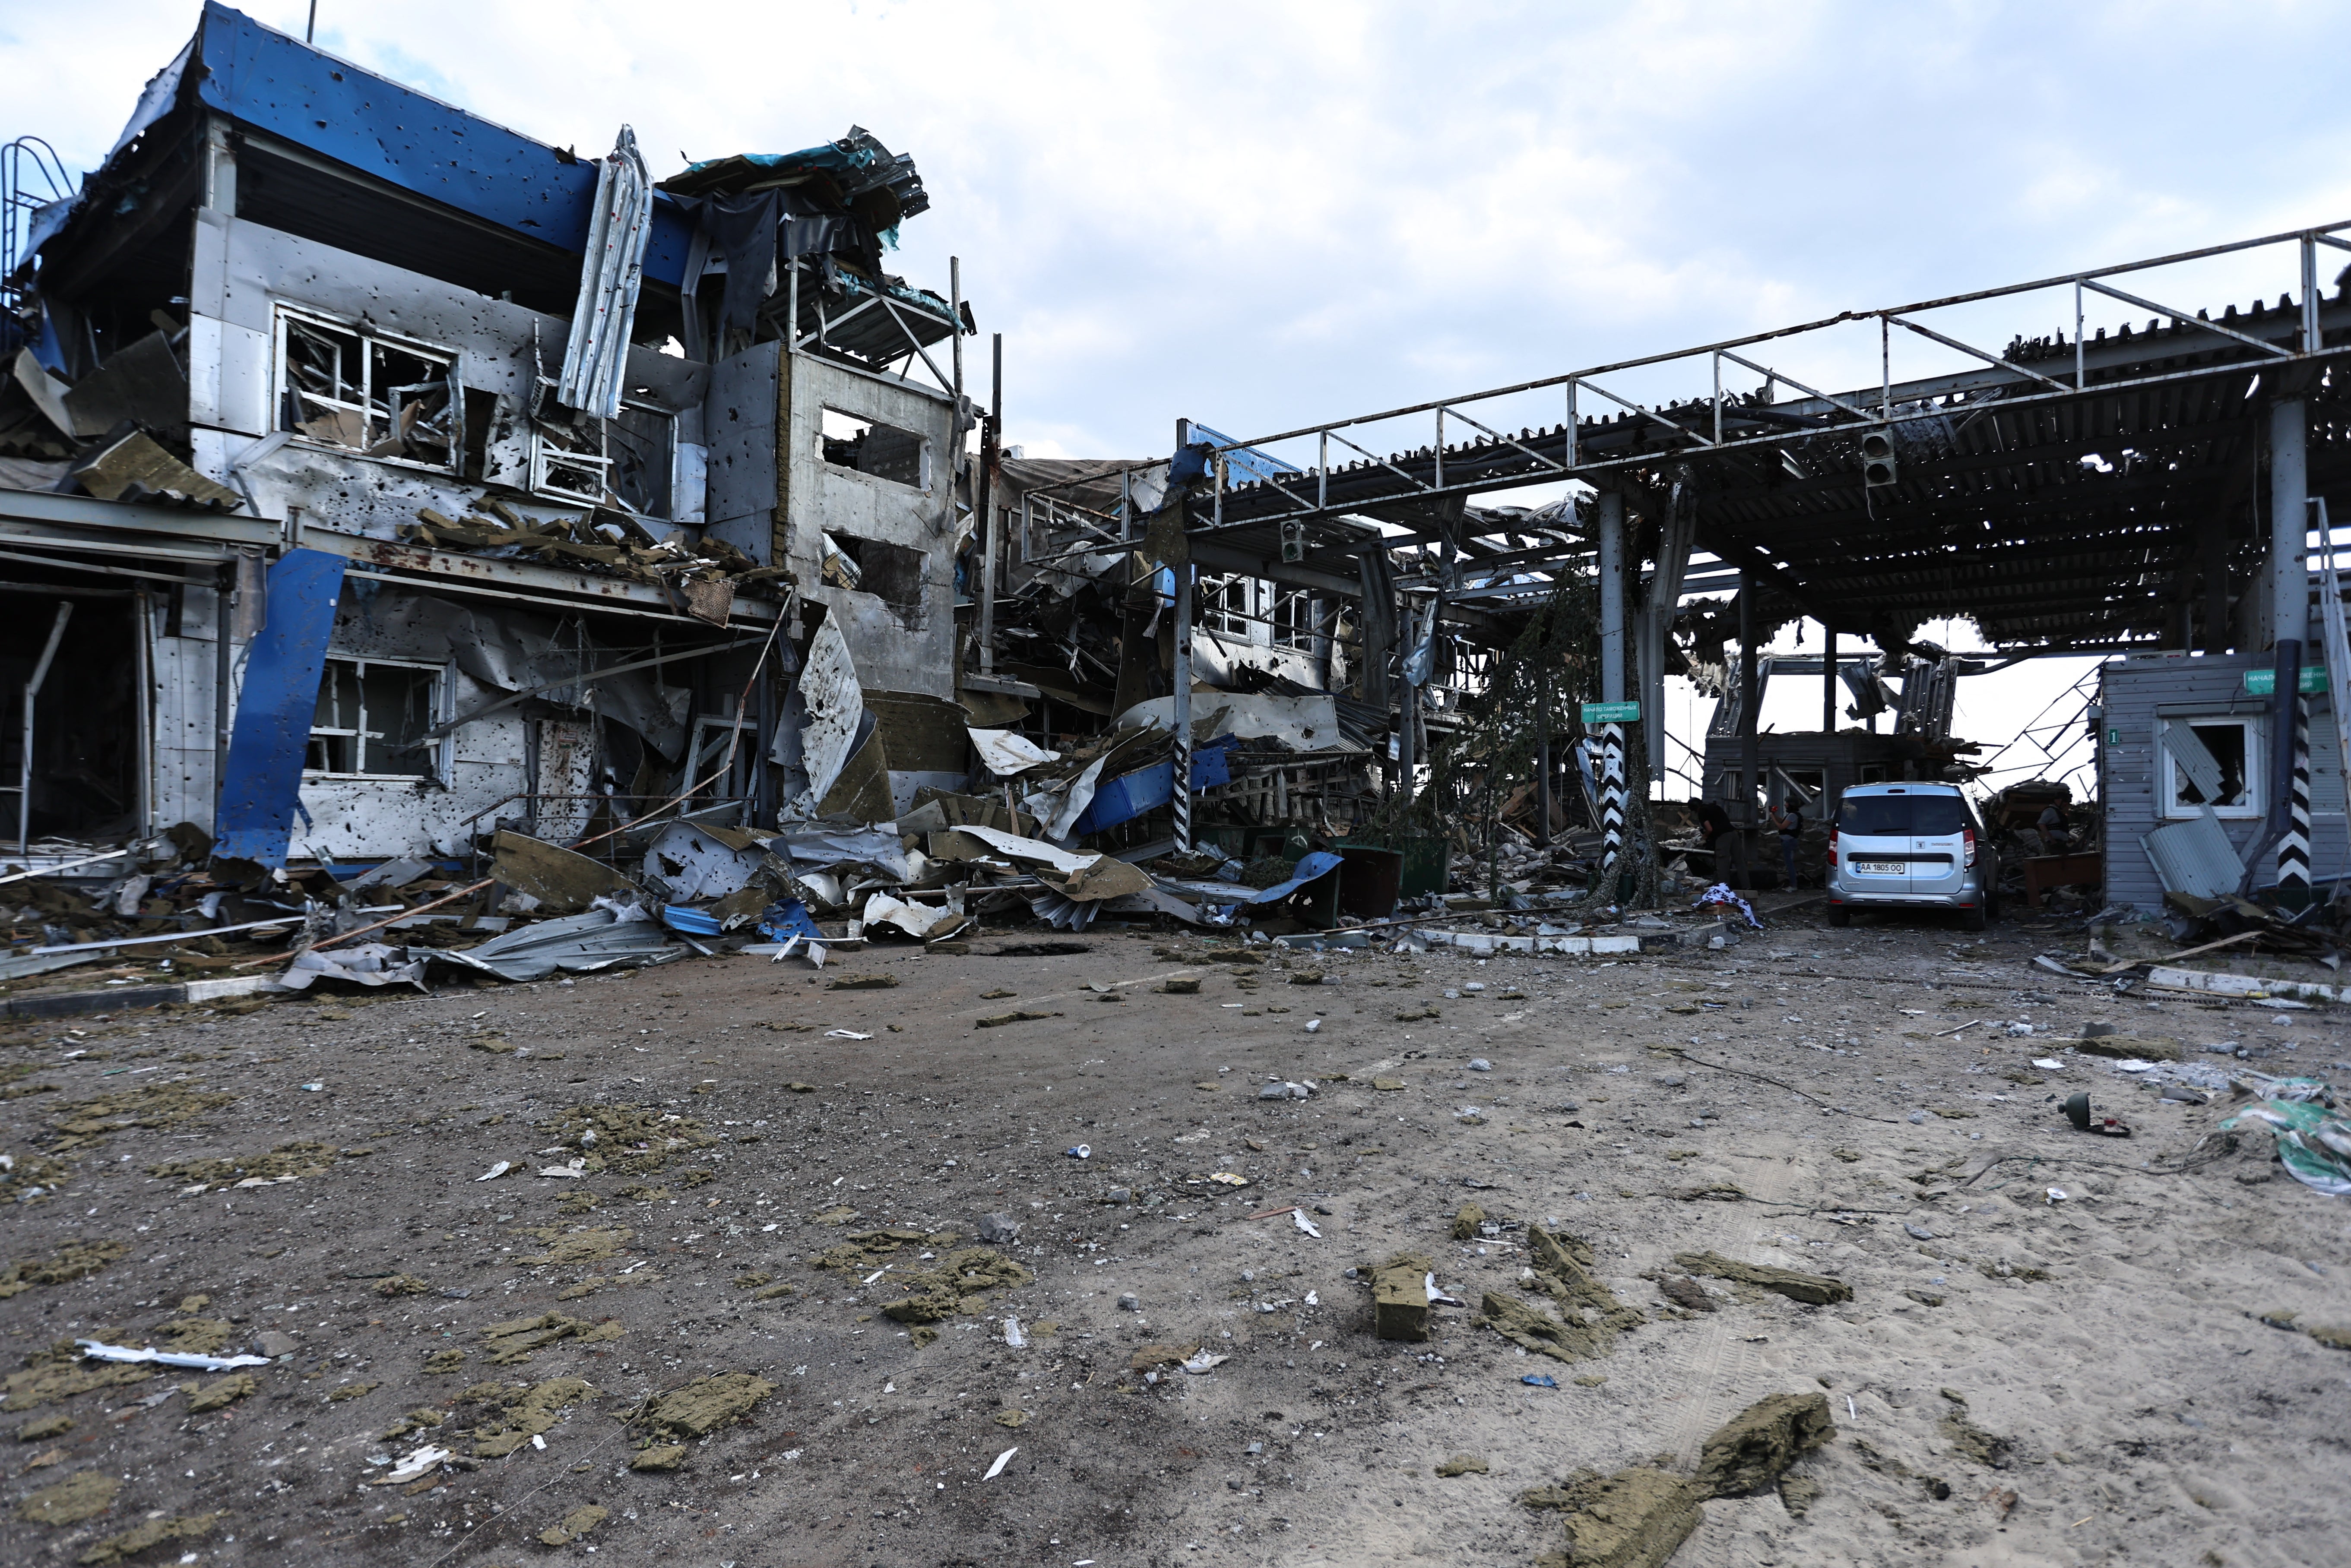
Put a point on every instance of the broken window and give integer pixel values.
(712, 773)
(627, 461)
(868, 446)
(1233, 606)
(344, 386)
(891, 573)
(2210, 761)
(371, 717)
(1293, 620)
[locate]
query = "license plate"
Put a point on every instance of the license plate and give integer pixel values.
(1880, 868)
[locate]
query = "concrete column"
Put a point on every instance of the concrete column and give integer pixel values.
(1612, 597)
(2289, 521)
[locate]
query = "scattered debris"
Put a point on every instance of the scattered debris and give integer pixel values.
(1636, 1518)
(1401, 1297)
(97, 1351)
(1749, 1452)
(1592, 1315)
(518, 1340)
(1813, 1289)
(576, 1523)
(71, 1500)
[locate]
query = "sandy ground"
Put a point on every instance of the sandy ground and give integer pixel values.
(2102, 1353)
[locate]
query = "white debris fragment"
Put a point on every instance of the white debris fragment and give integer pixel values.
(1012, 1334)
(495, 1172)
(846, 1034)
(576, 1168)
(421, 1462)
(97, 1350)
(1204, 1361)
(1002, 1459)
(1305, 1224)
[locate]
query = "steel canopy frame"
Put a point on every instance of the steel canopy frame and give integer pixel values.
(1792, 421)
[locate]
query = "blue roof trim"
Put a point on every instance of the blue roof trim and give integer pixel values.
(276, 83)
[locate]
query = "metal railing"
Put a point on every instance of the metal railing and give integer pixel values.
(1707, 419)
(32, 176)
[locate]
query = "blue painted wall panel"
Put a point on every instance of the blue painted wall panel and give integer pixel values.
(274, 707)
(275, 82)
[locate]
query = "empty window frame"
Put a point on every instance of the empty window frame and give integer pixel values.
(343, 386)
(2214, 760)
(1234, 606)
(626, 462)
(870, 447)
(372, 716)
(712, 774)
(1293, 620)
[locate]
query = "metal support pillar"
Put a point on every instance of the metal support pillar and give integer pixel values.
(1611, 794)
(31, 695)
(988, 446)
(1180, 794)
(223, 594)
(2289, 617)
(1749, 694)
(2294, 849)
(1407, 721)
(1612, 597)
(767, 715)
(2289, 521)
(1612, 674)
(1542, 767)
(142, 650)
(1828, 689)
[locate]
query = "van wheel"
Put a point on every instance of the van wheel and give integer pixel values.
(1839, 916)
(1974, 920)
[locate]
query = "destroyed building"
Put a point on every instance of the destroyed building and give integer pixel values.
(487, 468)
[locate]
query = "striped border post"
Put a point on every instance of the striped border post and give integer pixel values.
(1179, 795)
(1611, 794)
(2294, 849)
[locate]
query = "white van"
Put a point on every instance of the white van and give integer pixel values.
(1910, 846)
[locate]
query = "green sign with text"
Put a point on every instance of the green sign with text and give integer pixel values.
(1611, 712)
(2263, 682)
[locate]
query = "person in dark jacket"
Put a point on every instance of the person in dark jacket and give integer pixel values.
(1713, 821)
(1789, 819)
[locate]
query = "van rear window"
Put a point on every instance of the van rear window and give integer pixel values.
(1903, 815)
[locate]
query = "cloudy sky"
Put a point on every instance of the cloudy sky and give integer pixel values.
(1260, 215)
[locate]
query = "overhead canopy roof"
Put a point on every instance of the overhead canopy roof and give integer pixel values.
(2059, 496)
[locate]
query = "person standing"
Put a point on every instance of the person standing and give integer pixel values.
(1788, 816)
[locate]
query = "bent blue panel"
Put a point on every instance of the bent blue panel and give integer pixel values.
(275, 82)
(275, 709)
(1321, 863)
(1129, 795)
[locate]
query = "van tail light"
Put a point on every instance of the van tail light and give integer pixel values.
(1968, 849)
(1833, 846)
